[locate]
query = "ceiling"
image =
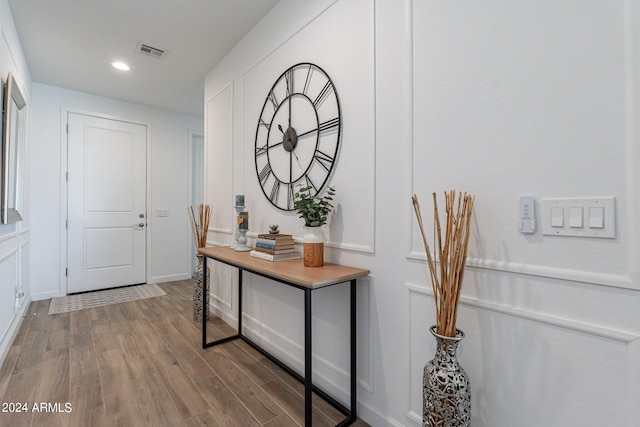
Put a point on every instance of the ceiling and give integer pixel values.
(72, 43)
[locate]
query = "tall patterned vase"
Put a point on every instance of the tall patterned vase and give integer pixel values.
(197, 282)
(446, 396)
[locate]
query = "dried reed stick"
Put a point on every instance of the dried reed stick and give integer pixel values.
(200, 227)
(451, 252)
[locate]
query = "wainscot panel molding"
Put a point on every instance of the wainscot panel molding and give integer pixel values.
(9, 271)
(15, 237)
(489, 133)
(221, 230)
(325, 371)
(603, 279)
(9, 235)
(634, 382)
(355, 84)
(223, 294)
(223, 300)
(632, 70)
(218, 151)
(9, 334)
(617, 348)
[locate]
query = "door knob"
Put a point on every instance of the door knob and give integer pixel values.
(141, 224)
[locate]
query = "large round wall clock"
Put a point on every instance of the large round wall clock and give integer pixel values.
(298, 134)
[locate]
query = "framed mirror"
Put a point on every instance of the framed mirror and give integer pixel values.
(12, 151)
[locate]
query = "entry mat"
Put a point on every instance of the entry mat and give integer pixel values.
(99, 298)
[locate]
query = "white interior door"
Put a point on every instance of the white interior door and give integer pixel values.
(107, 203)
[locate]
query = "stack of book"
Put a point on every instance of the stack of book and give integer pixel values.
(275, 247)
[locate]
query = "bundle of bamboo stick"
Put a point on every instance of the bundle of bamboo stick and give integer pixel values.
(200, 226)
(451, 250)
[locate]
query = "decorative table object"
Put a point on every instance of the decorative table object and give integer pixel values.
(314, 210)
(446, 392)
(243, 227)
(239, 207)
(200, 228)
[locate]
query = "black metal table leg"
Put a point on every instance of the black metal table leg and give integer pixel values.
(354, 373)
(308, 372)
(240, 302)
(205, 292)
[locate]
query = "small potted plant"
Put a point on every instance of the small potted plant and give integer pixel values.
(314, 210)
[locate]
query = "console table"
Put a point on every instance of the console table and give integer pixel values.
(292, 273)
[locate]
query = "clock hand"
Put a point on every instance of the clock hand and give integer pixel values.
(275, 145)
(298, 160)
(307, 132)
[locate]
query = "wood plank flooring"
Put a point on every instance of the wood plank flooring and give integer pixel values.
(140, 364)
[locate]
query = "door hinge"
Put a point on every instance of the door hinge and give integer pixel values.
(67, 127)
(66, 272)
(67, 176)
(66, 224)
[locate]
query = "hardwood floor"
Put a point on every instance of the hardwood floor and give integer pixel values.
(140, 364)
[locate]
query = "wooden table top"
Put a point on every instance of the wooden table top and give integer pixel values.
(291, 270)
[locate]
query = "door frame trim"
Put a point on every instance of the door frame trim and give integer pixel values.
(64, 192)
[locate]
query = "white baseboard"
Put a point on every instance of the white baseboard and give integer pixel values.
(170, 278)
(39, 296)
(11, 332)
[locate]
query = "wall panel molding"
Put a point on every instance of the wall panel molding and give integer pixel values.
(543, 318)
(356, 86)
(627, 244)
(8, 236)
(293, 352)
(632, 120)
(219, 153)
(615, 340)
(10, 332)
(603, 279)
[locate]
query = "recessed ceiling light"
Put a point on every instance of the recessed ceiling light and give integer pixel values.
(120, 66)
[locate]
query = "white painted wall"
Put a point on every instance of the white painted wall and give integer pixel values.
(15, 238)
(500, 99)
(169, 249)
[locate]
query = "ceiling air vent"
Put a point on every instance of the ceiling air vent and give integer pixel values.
(151, 51)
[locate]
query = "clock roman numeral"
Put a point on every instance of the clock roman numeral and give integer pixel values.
(307, 81)
(274, 100)
(290, 196)
(324, 93)
(310, 182)
(262, 150)
(265, 124)
(275, 191)
(288, 76)
(329, 124)
(325, 160)
(264, 174)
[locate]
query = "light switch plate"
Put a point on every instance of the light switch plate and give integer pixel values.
(603, 228)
